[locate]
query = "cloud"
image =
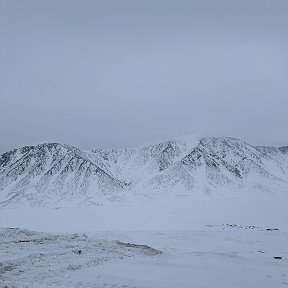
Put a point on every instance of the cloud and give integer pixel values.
(110, 73)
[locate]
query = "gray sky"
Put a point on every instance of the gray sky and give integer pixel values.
(122, 73)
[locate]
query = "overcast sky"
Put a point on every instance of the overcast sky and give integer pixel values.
(122, 73)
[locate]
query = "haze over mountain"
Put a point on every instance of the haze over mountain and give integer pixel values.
(52, 173)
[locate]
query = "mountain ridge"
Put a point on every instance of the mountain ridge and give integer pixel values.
(53, 172)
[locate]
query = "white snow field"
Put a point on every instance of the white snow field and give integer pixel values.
(218, 257)
(204, 243)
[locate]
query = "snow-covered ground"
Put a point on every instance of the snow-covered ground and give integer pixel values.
(166, 213)
(205, 243)
(33, 259)
(211, 258)
(221, 256)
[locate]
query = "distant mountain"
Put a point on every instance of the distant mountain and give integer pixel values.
(52, 172)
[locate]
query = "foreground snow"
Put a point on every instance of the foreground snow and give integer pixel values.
(33, 259)
(217, 256)
(210, 243)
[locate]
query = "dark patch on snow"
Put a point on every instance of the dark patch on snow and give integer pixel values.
(147, 249)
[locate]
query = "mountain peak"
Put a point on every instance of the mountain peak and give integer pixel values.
(54, 171)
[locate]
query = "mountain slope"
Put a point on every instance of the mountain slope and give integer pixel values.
(51, 172)
(219, 162)
(54, 172)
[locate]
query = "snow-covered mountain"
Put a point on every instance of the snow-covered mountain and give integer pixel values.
(51, 172)
(54, 172)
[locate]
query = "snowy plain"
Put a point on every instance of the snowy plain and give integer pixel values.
(228, 242)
